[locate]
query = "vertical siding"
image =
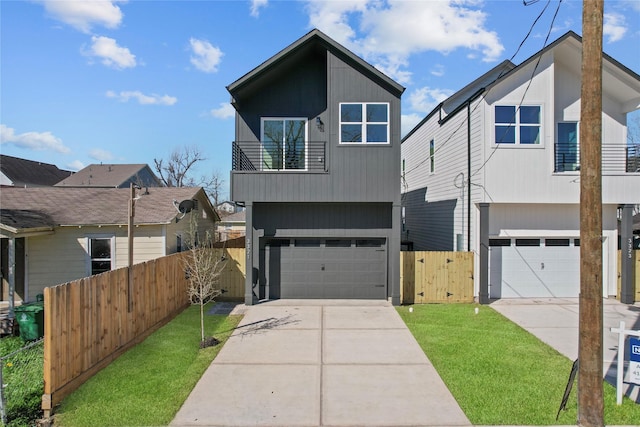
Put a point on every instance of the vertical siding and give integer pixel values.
(355, 173)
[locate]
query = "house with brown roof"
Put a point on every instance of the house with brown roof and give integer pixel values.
(59, 234)
(17, 172)
(112, 176)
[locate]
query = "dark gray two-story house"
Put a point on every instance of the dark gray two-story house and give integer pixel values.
(316, 163)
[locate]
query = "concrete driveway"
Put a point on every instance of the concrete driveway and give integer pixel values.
(555, 322)
(321, 363)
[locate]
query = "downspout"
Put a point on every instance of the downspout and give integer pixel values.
(469, 176)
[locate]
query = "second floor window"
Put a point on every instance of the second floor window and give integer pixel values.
(364, 123)
(518, 125)
(284, 144)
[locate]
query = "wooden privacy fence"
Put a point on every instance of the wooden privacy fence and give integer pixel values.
(436, 277)
(88, 322)
(636, 253)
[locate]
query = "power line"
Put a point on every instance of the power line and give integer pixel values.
(484, 95)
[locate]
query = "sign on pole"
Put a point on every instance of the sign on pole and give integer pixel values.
(634, 360)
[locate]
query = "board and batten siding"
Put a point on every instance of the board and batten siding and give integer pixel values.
(355, 173)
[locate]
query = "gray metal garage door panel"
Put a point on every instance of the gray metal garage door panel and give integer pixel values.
(333, 272)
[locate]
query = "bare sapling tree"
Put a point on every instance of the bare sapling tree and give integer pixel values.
(178, 171)
(204, 265)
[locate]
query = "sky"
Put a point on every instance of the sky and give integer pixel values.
(85, 82)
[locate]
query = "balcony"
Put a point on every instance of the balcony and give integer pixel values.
(293, 156)
(616, 158)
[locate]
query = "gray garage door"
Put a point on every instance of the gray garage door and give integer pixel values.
(327, 268)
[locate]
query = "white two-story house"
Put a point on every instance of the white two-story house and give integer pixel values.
(499, 160)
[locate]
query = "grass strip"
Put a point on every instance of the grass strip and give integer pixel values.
(148, 384)
(499, 373)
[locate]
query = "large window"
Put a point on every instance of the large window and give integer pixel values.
(100, 254)
(364, 123)
(284, 144)
(567, 149)
(518, 125)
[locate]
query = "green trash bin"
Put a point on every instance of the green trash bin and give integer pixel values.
(30, 319)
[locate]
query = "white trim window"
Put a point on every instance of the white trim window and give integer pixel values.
(100, 250)
(284, 143)
(518, 125)
(364, 123)
(567, 153)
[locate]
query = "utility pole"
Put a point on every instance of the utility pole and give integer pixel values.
(132, 214)
(590, 393)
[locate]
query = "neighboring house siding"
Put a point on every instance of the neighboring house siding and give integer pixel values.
(148, 244)
(440, 198)
(55, 258)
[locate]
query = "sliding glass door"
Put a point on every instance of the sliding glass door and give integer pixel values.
(284, 144)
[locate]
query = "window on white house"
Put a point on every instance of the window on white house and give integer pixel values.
(100, 254)
(567, 151)
(364, 123)
(518, 125)
(432, 156)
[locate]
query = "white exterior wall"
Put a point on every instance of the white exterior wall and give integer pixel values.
(516, 174)
(449, 180)
(552, 220)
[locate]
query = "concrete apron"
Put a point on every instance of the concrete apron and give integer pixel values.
(555, 322)
(321, 363)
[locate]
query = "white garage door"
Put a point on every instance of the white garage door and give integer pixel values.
(530, 268)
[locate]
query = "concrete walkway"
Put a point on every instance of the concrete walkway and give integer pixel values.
(321, 363)
(555, 322)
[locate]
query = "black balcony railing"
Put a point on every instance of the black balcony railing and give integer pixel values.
(309, 156)
(615, 158)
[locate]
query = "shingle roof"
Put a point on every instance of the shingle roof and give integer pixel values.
(31, 173)
(95, 206)
(105, 175)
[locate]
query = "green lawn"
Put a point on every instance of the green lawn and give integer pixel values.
(148, 384)
(497, 371)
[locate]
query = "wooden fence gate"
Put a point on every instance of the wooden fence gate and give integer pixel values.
(436, 277)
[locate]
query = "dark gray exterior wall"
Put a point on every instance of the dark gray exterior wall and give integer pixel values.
(429, 225)
(358, 196)
(362, 173)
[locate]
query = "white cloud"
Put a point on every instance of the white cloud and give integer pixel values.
(83, 15)
(226, 111)
(614, 27)
(142, 99)
(112, 55)
(408, 122)
(38, 141)
(256, 5)
(205, 56)
(76, 165)
(425, 99)
(392, 31)
(438, 70)
(100, 155)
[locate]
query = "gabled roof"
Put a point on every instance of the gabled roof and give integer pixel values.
(25, 208)
(312, 40)
(110, 176)
(616, 78)
(23, 172)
